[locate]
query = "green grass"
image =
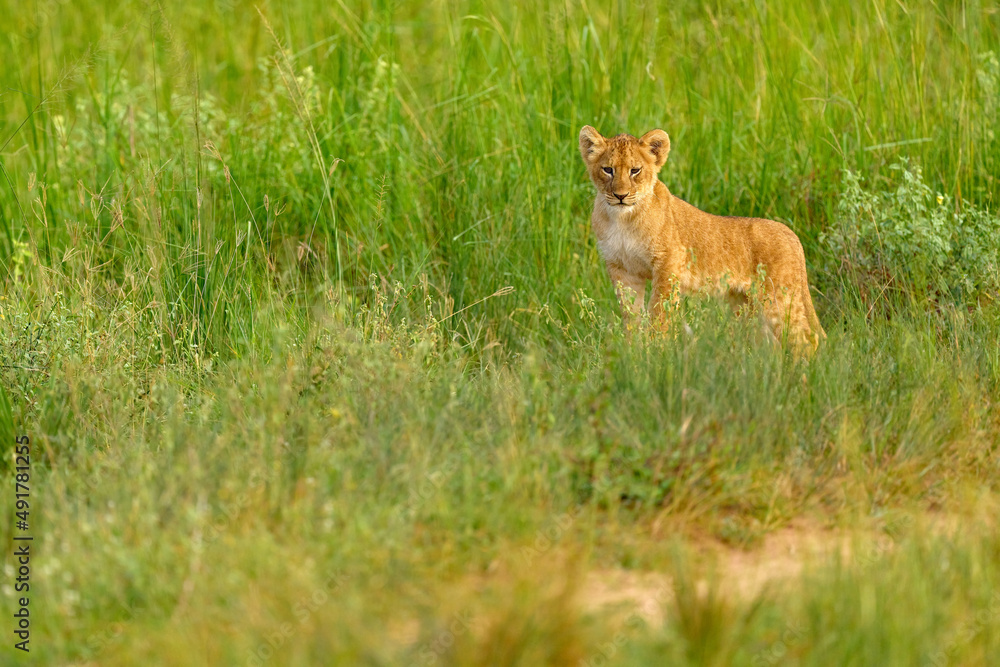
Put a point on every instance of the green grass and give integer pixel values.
(318, 359)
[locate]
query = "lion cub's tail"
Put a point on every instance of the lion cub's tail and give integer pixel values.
(814, 325)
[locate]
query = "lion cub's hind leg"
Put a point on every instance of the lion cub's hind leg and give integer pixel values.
(787, 319)
(737, 299)
(664, 301)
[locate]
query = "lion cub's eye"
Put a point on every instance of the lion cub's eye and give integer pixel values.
(609, 171)
(636, 170)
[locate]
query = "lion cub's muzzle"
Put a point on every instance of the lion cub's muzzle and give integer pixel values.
(615, 199)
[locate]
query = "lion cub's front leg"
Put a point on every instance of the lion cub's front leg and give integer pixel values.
(665, 297)
(631, 291)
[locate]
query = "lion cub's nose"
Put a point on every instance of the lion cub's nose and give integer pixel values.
(621, 198)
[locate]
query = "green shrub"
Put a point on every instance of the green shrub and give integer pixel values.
(908, 240)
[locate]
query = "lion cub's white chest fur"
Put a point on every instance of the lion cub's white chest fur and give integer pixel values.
(622, 242)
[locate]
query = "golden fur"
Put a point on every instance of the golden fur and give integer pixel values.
(646, 233)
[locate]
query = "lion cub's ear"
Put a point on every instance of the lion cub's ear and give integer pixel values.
(657, 144)
(591, 143)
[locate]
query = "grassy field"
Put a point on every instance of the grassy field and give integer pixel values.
(302, 314)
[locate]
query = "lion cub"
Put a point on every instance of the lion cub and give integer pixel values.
(646, 233)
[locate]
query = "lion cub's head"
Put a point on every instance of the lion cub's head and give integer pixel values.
(624, 168)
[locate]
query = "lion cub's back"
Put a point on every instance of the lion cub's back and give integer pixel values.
(736, 244)
(775, 245)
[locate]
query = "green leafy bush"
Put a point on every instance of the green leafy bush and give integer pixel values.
(908, 240)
